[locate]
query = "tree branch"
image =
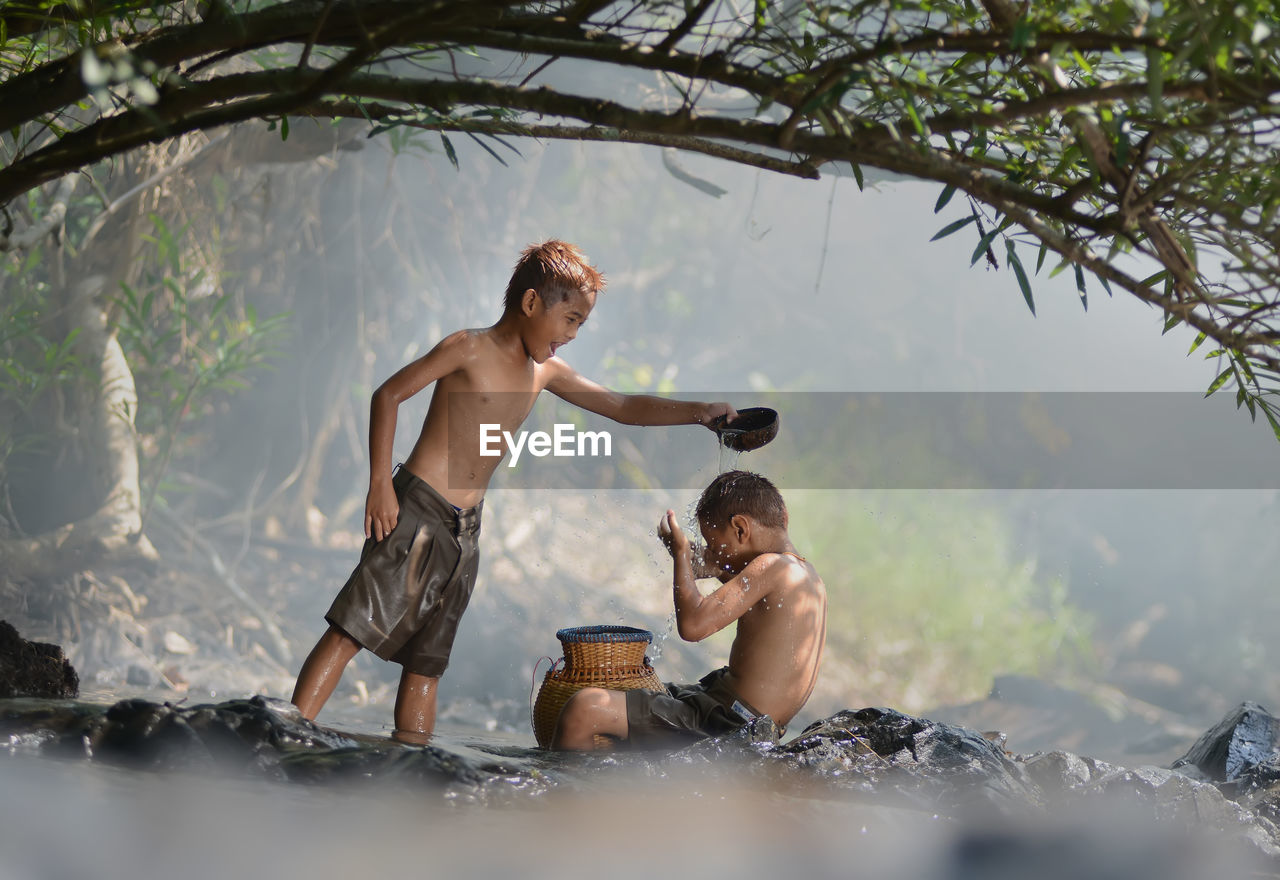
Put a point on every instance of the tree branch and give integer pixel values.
(593, 133)
(53, 218)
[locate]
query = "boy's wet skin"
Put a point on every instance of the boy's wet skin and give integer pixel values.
(774, 595)
(773, 663)
(498, 372)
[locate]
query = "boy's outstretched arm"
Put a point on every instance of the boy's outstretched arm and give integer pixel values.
(381, 510)
(698, 616)
(630, 409)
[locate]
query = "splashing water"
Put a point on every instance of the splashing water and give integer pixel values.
(655, 648)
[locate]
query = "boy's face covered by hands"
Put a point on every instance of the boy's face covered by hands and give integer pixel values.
(720, 550)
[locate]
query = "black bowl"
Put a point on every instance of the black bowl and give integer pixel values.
(753, 428)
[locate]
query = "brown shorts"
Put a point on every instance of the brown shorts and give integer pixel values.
(411, 617)
(685, 712)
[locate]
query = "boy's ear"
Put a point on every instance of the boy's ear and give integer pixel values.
(529, 300)
(741, 527)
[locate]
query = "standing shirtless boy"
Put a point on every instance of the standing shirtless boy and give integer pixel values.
(405, 598)
(774, 594)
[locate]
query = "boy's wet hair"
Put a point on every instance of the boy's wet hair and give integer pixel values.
(742, 492)
(556, 269)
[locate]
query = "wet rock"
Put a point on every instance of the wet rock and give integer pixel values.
(1172, 799)
(929, 764)
(259, 737)
(244, 736)
(1247, 738)
(33, 669)
(1060, 771)
(422, 764)
(1241, 756)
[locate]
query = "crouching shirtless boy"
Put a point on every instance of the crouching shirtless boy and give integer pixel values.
(774, 594)
(418, 567)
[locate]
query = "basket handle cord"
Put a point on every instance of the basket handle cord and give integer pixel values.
(533, 680)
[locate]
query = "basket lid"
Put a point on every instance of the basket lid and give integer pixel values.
(603, 633)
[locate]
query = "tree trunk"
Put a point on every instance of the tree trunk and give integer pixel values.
(113, 531)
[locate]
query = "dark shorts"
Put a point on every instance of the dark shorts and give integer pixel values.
(407, 612)
(685, 712)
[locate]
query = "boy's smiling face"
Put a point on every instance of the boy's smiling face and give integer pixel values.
(550, 327)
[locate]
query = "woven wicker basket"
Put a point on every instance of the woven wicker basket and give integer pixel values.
(610, 657)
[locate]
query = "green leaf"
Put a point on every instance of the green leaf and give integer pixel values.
(953, 227)
(1199, 339)
(1023, 36)
(1021, 274)
(983, 244)
(857, 174)
(1275, 425)
(947, 192)
(284, 128)
(449, 151)
(1155, 79)
(1220, 380)
(488, 149)
(1084, 296)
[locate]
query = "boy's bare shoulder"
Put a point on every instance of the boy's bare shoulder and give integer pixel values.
(781, 570)
(468, 345)
(462, 340)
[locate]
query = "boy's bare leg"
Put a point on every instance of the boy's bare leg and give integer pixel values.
(322, 670)
(588, 712)
(415, 708)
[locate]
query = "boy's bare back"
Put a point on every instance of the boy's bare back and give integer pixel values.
(777, 648)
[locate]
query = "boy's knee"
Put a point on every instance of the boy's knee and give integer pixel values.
(580, 706)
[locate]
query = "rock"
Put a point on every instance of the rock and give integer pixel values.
(1248, 737)
(1241, 756)
(176, 643)
(259, 737)
(928, 763)
(1058, 771)
(139, 676)
(34, 669)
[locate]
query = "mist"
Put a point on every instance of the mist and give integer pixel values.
(1152, 603)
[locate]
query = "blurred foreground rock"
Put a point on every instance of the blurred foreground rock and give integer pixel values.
(875, 755)
(33, 669)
